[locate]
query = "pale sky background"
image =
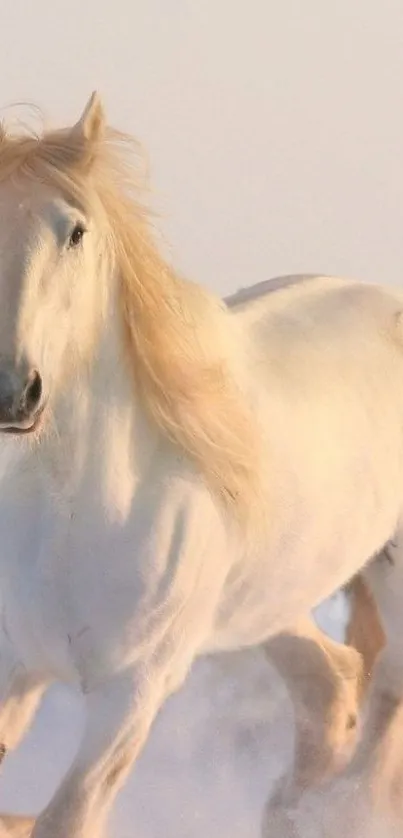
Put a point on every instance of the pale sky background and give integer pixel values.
(274, 129)
(275, 136)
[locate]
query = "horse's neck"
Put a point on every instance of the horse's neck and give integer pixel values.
(102, 439)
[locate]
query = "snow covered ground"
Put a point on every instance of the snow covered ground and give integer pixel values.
(214, 751)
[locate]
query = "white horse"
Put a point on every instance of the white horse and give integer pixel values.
(178, 476)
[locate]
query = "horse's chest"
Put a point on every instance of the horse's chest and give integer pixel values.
(85, 594)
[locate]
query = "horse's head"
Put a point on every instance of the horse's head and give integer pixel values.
(76, 246)
(51, 265)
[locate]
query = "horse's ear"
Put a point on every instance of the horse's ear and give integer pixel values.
(91, 126)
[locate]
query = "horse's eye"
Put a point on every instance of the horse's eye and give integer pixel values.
(76, 235)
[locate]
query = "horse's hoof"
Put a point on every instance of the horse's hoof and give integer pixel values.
(3, 751)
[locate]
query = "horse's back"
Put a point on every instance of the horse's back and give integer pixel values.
(259, 290)
(304, 290)
(289, 318)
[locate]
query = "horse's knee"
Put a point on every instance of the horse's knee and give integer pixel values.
(17, 710)
(119, 768)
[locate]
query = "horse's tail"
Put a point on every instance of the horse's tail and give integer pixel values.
(364, 630)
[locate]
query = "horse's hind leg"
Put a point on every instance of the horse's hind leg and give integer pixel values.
(364, 630)
(385, 579)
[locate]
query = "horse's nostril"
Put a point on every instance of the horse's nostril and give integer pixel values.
(32, 393)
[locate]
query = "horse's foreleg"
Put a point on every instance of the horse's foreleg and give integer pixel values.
(326, 681)
(20, 694)
(18, 706)
(119, 715)
(323, 681)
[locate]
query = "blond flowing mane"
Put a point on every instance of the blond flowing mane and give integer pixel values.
(178, 337)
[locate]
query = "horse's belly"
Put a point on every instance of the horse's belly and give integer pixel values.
(332, 507)
(255, 611)
(270, 593)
